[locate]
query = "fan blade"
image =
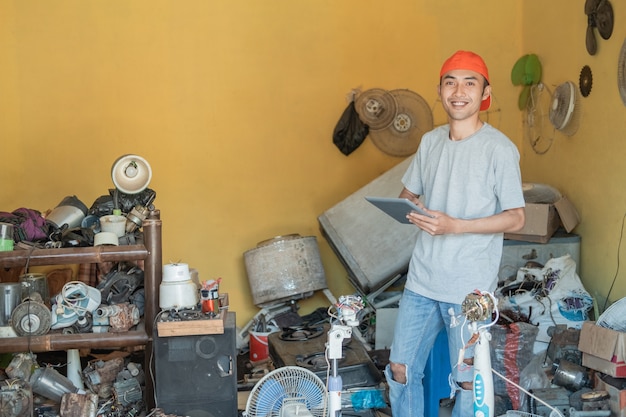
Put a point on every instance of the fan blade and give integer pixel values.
(311, 394)
(533, 70)
(518, 71)
(591, 6)
(590, 41)
(522, 102)
(604, 19)
(270, 398)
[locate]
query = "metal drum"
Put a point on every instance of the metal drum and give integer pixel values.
(284, 268)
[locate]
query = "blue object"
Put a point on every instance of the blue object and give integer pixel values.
(367, 399)
(436, 372)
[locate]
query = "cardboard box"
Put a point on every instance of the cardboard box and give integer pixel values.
(542, 220)
(617, 401)
(603, 349)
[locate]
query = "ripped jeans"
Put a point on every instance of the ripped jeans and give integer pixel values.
(419, 321)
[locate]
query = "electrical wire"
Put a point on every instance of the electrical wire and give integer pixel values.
(619, 245)
(151, 358)
(554, 411)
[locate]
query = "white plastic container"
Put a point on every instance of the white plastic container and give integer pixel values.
(114, 224)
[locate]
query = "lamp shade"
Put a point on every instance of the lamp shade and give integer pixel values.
(131, 174)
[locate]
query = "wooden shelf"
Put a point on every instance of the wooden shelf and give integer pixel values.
(149, 252)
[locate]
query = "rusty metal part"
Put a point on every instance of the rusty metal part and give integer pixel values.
(79, 405)
(585, 81)
(99, 375)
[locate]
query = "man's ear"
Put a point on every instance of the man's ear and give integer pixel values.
(486, 92)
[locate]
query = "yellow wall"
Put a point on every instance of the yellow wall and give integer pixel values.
(588, 167)
(233, 103)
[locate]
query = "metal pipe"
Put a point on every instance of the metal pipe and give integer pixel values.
(60, 341)
(68, 256)
(153, 272)
(153, 267)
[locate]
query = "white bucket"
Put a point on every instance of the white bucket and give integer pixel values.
(114, 224)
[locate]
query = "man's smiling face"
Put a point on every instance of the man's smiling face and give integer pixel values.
(462, 92)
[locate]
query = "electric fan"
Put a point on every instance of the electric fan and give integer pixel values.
(412, 119)
(564, 109)
(290, 391)
(376, 108)
(537, 127)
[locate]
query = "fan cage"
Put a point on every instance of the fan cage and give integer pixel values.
(538, 129)
(287, 384)
(564, 110)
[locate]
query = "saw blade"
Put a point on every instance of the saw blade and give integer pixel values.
(585, 81)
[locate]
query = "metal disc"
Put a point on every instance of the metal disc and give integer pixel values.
(31, 318)
(585, 81)
(376, 108)
(412, 120)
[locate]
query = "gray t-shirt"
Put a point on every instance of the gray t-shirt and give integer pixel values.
(476, 177)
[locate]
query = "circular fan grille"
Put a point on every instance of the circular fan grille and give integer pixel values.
(621, 73)
(287, 386)
(563, 111)
(413, 118)
(376, 108)
(538, 129)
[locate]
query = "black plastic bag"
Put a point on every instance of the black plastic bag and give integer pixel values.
(350, 131)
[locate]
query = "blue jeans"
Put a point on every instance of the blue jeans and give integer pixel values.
(419, 321)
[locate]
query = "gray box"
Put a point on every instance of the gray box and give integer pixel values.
(516, 253)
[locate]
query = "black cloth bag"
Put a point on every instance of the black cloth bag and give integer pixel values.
(350, 131)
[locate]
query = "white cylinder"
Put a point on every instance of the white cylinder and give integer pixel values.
(74, 368)
(178, 295)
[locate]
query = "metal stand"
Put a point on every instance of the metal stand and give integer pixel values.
(347, 309)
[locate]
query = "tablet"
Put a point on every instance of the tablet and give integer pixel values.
(397, 208)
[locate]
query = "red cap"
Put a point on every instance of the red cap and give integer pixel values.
(465, 60)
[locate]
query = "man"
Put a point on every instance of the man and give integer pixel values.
(466, 176)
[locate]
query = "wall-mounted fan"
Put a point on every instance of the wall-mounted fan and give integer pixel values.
(564, 112)
(290, 391)
(376, 108)
(413, 118)
(599, 16)
(537, 127)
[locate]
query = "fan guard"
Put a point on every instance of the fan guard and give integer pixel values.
(412, 120)
(287, 386)
(376, 108)
(621, 73)
(613, 317)
(563, 111)
(538, 130)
